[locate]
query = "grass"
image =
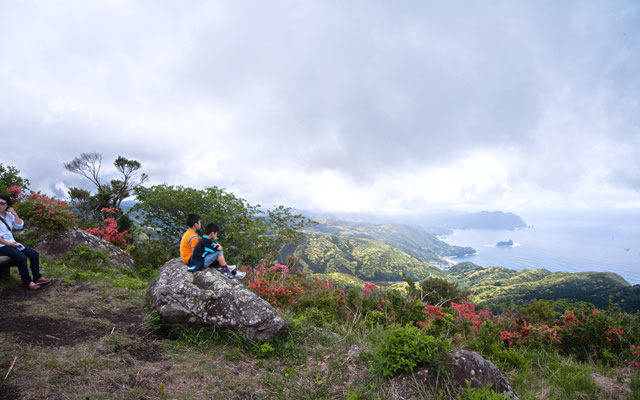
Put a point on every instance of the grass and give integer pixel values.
(120, 351)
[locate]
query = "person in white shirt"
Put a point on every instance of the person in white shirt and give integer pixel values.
(19, 253)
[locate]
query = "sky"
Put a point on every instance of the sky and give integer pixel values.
(349, 106)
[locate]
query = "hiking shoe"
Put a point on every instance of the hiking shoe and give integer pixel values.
(43, 281)
(231, 267)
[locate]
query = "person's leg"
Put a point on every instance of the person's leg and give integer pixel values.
(17, 256)
(210, 258)
(229, 270)
(34, 260)
(221, 260)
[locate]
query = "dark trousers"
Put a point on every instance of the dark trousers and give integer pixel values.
(20, 258)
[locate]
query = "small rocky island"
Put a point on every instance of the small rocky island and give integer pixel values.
(505, 243)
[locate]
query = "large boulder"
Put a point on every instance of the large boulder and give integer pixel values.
(208, 298)
(60, 243)
(467, 366)
(471, 366)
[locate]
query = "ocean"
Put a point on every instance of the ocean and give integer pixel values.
(602, 243)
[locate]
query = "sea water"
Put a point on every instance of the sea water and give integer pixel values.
(602, 243)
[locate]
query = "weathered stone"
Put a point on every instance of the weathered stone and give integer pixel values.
(59, 244)
(207, 298)
(467, 366)
(471, 366)
(355, 350)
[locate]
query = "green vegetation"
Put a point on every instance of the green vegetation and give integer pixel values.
(403, 348)
(10, 176)
(363, 258)
(95, 336)
(398, 333)
(247, 233)
(415, 242)
(498, 285)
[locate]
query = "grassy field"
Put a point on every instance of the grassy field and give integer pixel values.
(88, 336)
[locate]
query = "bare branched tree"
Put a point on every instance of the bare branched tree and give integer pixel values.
(87, 165)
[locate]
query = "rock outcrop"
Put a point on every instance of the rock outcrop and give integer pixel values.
(471, 366)
(207, 298)
(467, 366)
(59, 244)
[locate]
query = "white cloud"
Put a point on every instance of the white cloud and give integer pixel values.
(377, 107)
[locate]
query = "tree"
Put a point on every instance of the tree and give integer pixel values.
(107, 195)
(121, 189)
(9, 176)
(247, 235)
(87, 165)
(81, 200)
(437, 291)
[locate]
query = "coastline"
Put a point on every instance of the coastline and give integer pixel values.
(557, 248)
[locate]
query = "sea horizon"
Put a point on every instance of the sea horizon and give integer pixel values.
(597, 243)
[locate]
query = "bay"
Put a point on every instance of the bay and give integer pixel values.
(596, 243)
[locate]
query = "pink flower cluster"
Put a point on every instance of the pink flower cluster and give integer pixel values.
(45, 212)
(109, 230)
(466, 311)
(368, 288)
(635, 352)
(432, 312)
(527, 331)
(614, 334)
(15, 193)
(279, 268)
(323, 284)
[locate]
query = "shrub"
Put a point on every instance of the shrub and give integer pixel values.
(439, 292)
(321, 298)
(483, 393)
(587, 333)
(275, 285)
(265, 350)
(402, 348)
(46, 213)
(109, 230)
(153, 253)
(539, 312)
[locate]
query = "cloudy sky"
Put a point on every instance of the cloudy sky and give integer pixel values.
(372, 106)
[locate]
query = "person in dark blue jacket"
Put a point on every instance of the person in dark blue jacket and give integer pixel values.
(208, 253)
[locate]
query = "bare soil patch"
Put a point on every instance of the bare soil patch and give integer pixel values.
(8, 392)
(17, 318)
(45, 331)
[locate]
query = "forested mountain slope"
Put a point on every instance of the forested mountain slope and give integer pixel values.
(496, 285)
(413, 241)
(363, 258)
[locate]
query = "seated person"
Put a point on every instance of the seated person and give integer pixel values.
(208, 253)
(190, 238)
(18, 252)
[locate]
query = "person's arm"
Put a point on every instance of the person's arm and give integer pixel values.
(18, 223)
(9, 244)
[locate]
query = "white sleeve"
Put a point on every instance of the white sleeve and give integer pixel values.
(13, 222)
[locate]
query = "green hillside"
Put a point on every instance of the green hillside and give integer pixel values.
(365, 259)
(496, 285)
(353, 252)
(415, 242)
(341, 280)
